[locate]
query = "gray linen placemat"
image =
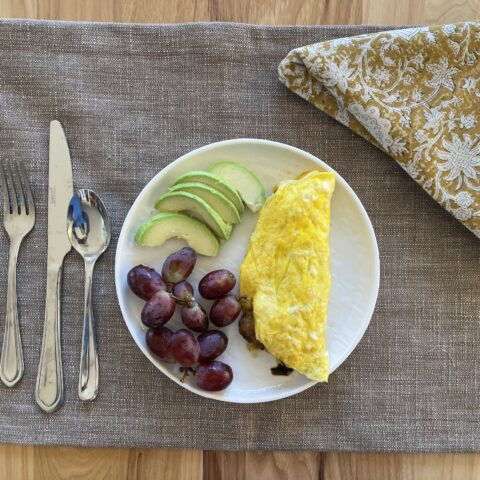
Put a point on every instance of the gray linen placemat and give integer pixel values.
(133, 98)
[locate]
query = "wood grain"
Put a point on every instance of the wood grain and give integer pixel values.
(56, 463)
(264, 465)
(52, 463)
(396, 466)
(224, 465)
(251, 11)
(284, 466)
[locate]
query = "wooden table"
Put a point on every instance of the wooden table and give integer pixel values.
(50, 463)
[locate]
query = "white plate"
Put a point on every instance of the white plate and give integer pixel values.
(354, 267)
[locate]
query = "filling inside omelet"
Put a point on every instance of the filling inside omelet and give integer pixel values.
(285, 276)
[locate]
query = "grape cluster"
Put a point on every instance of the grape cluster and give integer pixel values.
(162, 292)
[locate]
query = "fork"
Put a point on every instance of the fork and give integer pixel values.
(18, 220)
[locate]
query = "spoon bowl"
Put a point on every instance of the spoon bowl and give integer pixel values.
(89, 231)
(88, 224)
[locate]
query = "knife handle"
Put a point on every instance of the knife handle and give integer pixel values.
(49, 388)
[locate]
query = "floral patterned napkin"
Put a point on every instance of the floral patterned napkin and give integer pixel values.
(414, 93)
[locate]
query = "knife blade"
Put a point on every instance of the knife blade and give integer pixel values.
(49, 387)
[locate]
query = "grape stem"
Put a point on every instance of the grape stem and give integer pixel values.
(185, 371)
(190, 304)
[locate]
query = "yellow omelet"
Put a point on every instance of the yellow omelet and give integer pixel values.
(285, 275)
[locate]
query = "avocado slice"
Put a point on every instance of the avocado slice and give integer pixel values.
(158, 229)
(214, 181)
(178, 201)
(244, 180)
(219, 202)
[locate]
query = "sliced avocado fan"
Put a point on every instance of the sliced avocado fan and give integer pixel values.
(215, 181)
(217, 200)
(178, 201)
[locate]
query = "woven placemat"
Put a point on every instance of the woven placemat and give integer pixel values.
(133, 98)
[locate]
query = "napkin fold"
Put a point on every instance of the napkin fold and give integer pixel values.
(414, 93)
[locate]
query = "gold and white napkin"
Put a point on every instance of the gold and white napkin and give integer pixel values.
(414, 93)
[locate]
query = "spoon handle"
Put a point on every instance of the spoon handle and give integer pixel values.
(88, 380)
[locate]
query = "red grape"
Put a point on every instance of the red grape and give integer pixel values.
(225, 311)
(212, 344)
(214, 376)
(183, 292)
(179, 265)
(158, 341)
(216, 284)
(158, 310)
(185, 348)
(194, 317)
(145, 282)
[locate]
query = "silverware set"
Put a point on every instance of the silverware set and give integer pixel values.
(78, 220)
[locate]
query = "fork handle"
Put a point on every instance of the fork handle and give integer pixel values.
(11, 362)
(49, 388)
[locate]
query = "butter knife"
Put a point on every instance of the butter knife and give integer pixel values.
(49, 388)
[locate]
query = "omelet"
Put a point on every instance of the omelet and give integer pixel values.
(285, 276)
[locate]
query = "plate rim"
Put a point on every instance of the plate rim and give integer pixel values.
(371, 235)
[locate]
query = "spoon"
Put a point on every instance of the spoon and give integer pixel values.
(89, 231)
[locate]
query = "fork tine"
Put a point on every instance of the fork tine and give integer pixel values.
(6, 198)
(13, 193)
(27, 191)
(18, 187)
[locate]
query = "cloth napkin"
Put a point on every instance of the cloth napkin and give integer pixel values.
(414, 93)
